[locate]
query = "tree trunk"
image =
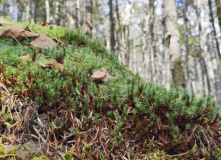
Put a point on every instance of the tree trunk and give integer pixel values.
(214, 51)
(204, 72)
(151, 41)
(88, 18)
(12, 3)
(186, 30)
(172, 37)
(112, 27)
(47, 7)
(27, 10)
(214, 29)
(117, 30)
(72, 6)
(218, 11)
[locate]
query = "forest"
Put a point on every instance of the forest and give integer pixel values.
(110, 79)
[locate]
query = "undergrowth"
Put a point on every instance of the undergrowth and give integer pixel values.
(90, 119)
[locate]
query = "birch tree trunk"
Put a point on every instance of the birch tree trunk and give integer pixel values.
(214, 29)
(27, 10)
(47, 7)
(214, 51)
(218, 11)
(118, 33)
(187, 33)
(172, 37)
(12, 3)
(151, 41)
(88, 18)
(72, 6)
(205, 85)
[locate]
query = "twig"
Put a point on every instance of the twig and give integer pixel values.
(16, 40)
(7, 155)
(40, 135)
(3, 86)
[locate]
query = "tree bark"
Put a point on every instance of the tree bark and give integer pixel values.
(12, 3)
(118, 32)
(112, 27)
(187, 33)
(218, 11)
(88, 18)
(73, 12)
(27, 10)
(214, 29)
(172, 37)
(47, 7)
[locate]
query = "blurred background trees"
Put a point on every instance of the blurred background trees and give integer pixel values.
(166, 41)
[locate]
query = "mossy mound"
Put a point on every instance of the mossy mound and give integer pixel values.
(70, 112)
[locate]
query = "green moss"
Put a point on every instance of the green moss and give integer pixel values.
(131, 108)
(13, 150)
(217, 154)
(40, 158)
(2, 150)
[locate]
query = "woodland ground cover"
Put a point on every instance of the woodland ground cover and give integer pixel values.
(72, 115)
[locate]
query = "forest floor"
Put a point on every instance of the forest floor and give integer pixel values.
(64, 96)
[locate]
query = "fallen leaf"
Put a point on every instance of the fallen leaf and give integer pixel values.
(56, 64)
(25, 58)
(45, 24)
(102, 75)
(43, 41)
(17, 32)
(43, 65)
(58, 42)
(99, 74)
(27, 29)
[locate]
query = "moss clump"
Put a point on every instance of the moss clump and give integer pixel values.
(129, 114)
(2, 150)
(40, 158)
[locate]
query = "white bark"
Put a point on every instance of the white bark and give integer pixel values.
(27, 10)
(47, 6)
(11, 9)
(171, 29)
(88, 18)
(172, 37)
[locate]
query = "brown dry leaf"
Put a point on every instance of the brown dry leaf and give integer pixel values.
(102, 75)
(58, 42)
(25, 58)
(43, 65)
(18, 32)
(45, 24)
(99, 74)
(43, 41)
(27, 29)
(56, 64)
(2, 21)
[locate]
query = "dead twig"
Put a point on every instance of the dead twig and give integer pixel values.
(16, 40)
(40, 135)
(3, 86)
